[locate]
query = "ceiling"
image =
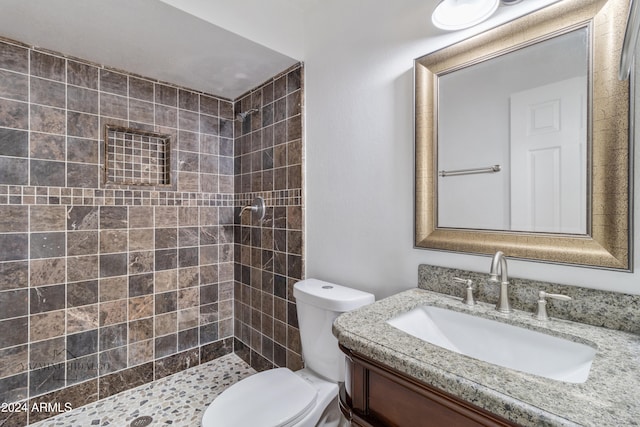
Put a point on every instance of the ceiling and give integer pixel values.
(192, 43)
(146, 37)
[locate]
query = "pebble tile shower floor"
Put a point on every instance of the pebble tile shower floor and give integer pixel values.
(178, 400)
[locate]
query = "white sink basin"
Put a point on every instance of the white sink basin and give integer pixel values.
(499, 343)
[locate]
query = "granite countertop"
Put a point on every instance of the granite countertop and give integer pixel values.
(609, 397)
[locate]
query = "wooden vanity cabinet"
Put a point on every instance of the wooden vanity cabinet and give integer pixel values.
(375, 395)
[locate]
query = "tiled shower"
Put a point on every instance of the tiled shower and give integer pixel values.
(105, 287)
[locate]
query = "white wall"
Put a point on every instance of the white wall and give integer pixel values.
(359, 151)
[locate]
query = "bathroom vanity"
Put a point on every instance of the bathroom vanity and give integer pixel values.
(394, 378)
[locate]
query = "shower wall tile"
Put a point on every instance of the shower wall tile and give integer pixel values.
(99, 284)
(268, 162)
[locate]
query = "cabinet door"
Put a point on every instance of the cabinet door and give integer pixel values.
(375, 395)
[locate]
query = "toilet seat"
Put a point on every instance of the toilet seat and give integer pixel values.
(273, 398)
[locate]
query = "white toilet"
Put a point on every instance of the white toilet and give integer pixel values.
(305, 398)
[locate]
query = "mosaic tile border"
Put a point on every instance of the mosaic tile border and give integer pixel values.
(28, 195)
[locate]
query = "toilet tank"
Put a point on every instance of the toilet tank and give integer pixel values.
(318, 304)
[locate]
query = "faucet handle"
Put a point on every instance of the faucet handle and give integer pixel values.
(541, 311)
(468, 299)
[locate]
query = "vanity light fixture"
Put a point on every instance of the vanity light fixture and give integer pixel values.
(452, 15)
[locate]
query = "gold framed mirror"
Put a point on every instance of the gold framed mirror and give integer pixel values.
(603, 238)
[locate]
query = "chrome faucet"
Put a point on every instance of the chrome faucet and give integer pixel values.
(499, 264)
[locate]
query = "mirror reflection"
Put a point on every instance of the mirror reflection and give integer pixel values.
(513, 140)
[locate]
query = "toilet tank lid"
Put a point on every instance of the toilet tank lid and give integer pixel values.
(330, 296)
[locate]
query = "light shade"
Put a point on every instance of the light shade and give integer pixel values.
(454, 15)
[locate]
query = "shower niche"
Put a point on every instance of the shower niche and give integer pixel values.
(136, 157)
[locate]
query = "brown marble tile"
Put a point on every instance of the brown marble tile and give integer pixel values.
(82, 344)
(141, 216)
(75, 396)
(113, 82)
(140, 89)
(15, 58)
(113, 241)
(47, 92)
(82, 369)
(82, 100)
(82, 218)
(14, 360)
(50, 173)
(188, 236)
(14, 388)
(188, 182)
(81, 74)
(140, 352)
(166, 116)
(188, 298)
(14, 275)
(83, 125)
(82, 150)
(47, 147)
(84, 318)
(209, 254)
(82, 293)
(166, 280)
(141, 284)
(113, 288)
(188, 339)
(82, 243)
(112, 336)
(48, 271)
(113, 265)
(111, 361)
(176, 363)
(141, 307)
(47, 119)
(140, 330)
(188, 257)
(48, 66)
(114, 106)
(47, 218)
(47, 298)
(113, 312)
(113, 217)
(45, 325)
(14, 142)
(14, 419)
(48, 245)
(166, 323)
(209, 105)
(47, 353)
(166, 259)
(14, 218)
(14, 86)
(141, 112)
(166, 95)
(14, 303)
(141, 239)
(14, 114)
(166, 217)
(81, 268)
(141, 262)
(83, 176)
(166, 238)
(125, 380)
(188, 277)
(165, 345)
(165, 302)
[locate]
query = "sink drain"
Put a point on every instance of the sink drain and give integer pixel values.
(141, 421)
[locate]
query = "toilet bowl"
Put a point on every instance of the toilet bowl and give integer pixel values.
(305, 398)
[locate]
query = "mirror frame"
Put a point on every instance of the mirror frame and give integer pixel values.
(607, 243)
